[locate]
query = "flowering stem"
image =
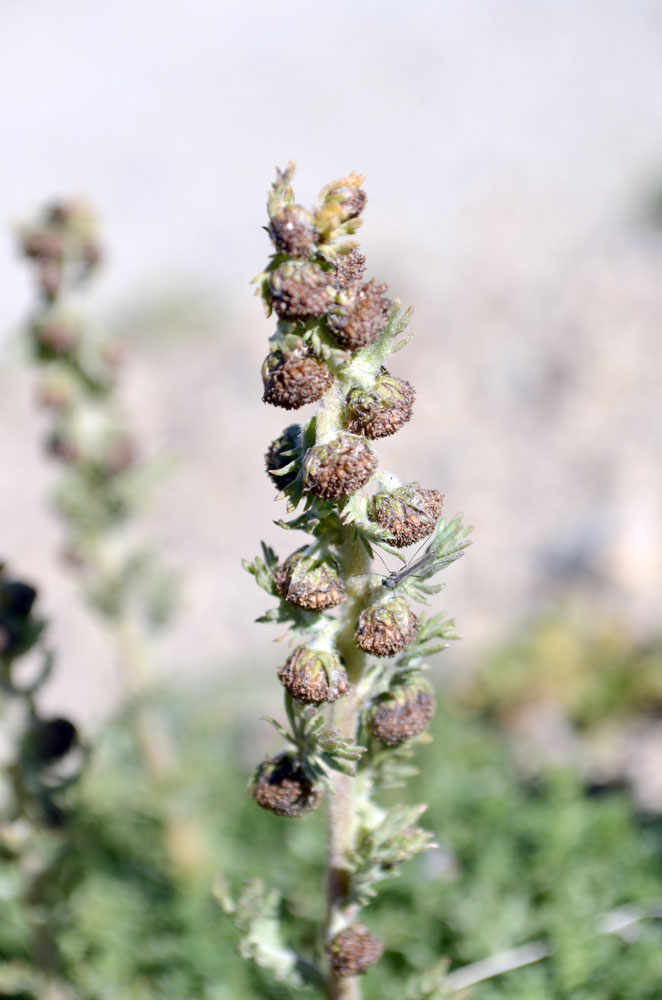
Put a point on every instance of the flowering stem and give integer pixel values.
(344, 719)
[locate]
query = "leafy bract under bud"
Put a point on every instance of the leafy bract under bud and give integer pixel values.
(314, 676)
(338, 468)
(282, 787)
(385, 629)
(281, 454)
(409, 513)
(292, 231)
(402, 713)
(354, 950)
(294, 378)
(381, 410)
(299, 290)
(360, 315)
(310, 583)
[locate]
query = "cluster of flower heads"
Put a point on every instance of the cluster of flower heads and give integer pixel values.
(328, 314)
(335, 331)
(46, 760)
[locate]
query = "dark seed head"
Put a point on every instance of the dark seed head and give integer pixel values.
(360, 315)
(403, 713)
(381, 410)
(310, 583)
(292, 231)
(409, 513)
(386, 628)
(300, 290)
(354, 950)
(282, 787)
(281, 453)
(291, 380)
(350, 268)
(17, 598)
(314, 676)
(339, 468)
(51, 739)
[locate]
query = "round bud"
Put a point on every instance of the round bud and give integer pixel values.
(51, 739)
(291, 380)
(281, 454)
(310, 583)
(58, 388)
(381, 410)
(350, 268)
(339, 468)
(360, 315)
(314, 676)
(299, 290)
(17, 598)
(292, 231)
(283, 788)
(386, 628)
(354, 950)
(402, 713)
(409, 513)
(55, 337)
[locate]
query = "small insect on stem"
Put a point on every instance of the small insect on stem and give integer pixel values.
(396, 577)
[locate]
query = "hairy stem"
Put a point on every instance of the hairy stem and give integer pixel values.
(344, 719)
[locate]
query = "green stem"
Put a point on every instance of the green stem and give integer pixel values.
(341, 828)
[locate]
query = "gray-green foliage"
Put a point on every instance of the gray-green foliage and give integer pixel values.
(516, 863)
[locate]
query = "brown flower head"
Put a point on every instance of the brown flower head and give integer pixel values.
(314, 676)
(350, 268)
(300, 290)
(310, 583)
(292, 231)
(409, 513)
(294, 378)
(55, 337)
(381, 410)
(282, 787)
(354, 950)
(360, 314)
(339, 468)
(402, 713)
(385, 628)
(281, 454)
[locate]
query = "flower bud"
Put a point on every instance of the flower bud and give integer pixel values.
(409, 513)
(282, 787)
(381, 410)
(360, 315)
(350, 268)
(55, 337)
(292, 231)
(310, 583)
(386, 628)
(402, 713)
(314, 676)
(354, 950)
(299, 290)
(338, 468)
(17, 598)
(58, 388)
(49, 740)
(281, 453)
(294, 378)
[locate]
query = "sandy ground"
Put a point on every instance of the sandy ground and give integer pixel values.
(509, 149)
